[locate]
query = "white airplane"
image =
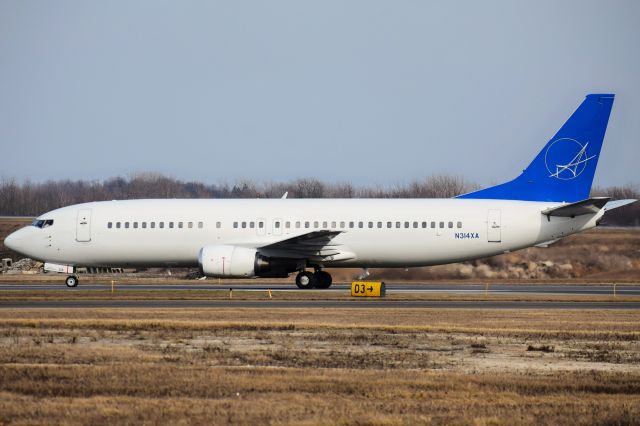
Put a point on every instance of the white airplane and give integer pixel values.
(277, 237)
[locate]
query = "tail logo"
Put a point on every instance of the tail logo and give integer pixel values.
(566, 158)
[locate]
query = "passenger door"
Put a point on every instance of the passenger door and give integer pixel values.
(83, 225)
(494, 234)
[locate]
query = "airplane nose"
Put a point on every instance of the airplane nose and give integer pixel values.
(16, 240)
(10, 241)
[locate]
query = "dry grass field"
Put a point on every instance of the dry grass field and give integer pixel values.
(319, 366)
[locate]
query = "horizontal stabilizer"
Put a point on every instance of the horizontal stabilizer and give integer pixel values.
(589, 206)
(617, 203)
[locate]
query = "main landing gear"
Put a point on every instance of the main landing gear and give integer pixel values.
(319, 279)
(72, 281)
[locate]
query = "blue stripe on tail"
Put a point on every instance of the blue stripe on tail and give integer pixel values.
(563, 171)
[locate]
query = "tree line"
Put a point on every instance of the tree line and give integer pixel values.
(28, 198)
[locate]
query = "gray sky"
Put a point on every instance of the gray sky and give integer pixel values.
(361, 91)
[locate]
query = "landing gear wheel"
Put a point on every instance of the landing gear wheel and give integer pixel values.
(72, 281)
(323, 279)
(305, 280)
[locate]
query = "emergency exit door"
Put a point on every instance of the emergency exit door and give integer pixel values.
(83, 225)
(494, 234)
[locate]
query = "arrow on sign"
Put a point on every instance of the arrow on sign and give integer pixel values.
(370, 289)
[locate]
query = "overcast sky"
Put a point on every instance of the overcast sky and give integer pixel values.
(363, 91)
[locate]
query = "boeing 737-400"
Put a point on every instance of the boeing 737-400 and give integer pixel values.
(276, 237)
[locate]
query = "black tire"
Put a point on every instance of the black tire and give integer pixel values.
(305, 280)
(323, 279)
(72, 281)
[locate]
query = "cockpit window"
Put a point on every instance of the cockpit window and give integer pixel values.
(42, 223)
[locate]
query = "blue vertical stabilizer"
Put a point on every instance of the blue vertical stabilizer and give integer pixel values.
(563, 171)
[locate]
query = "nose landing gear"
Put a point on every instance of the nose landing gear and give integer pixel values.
(72, 281)
(320, 279)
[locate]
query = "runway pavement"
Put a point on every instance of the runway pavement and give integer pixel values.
(415, 288)
(323, 304)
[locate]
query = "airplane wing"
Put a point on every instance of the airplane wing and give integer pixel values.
(316, 245)
(589, 206)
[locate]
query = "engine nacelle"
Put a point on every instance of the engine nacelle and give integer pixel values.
(228, 261)
(241, 262)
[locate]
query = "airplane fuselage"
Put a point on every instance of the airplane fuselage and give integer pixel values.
(373, 232)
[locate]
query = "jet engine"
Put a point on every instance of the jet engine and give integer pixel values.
(226, 261)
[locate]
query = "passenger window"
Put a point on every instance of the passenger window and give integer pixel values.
(306, 224)
(179, 224)
(333, 225)
(424, 224)
(190, 225)
(277, 225)
(342, 224)
(415, 224)
(406, 224)
(287, 224)
(324, 224)
(260, 225)
(441, 224)
(397, 224)
(389, 224)
(161, 225)
(252, 225)
(459, 225)
(350, 224)
(370, 224)
(110, 225)
(126, 225)
(433, 224)
(360, 224)
(298, 225)
(118, 225)
(244, 225)
(218, 225)
(315, 224)
(379, 224)
(153, 224)
(235, 224)
(144, 225)
(135, 225)
(450, 224)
